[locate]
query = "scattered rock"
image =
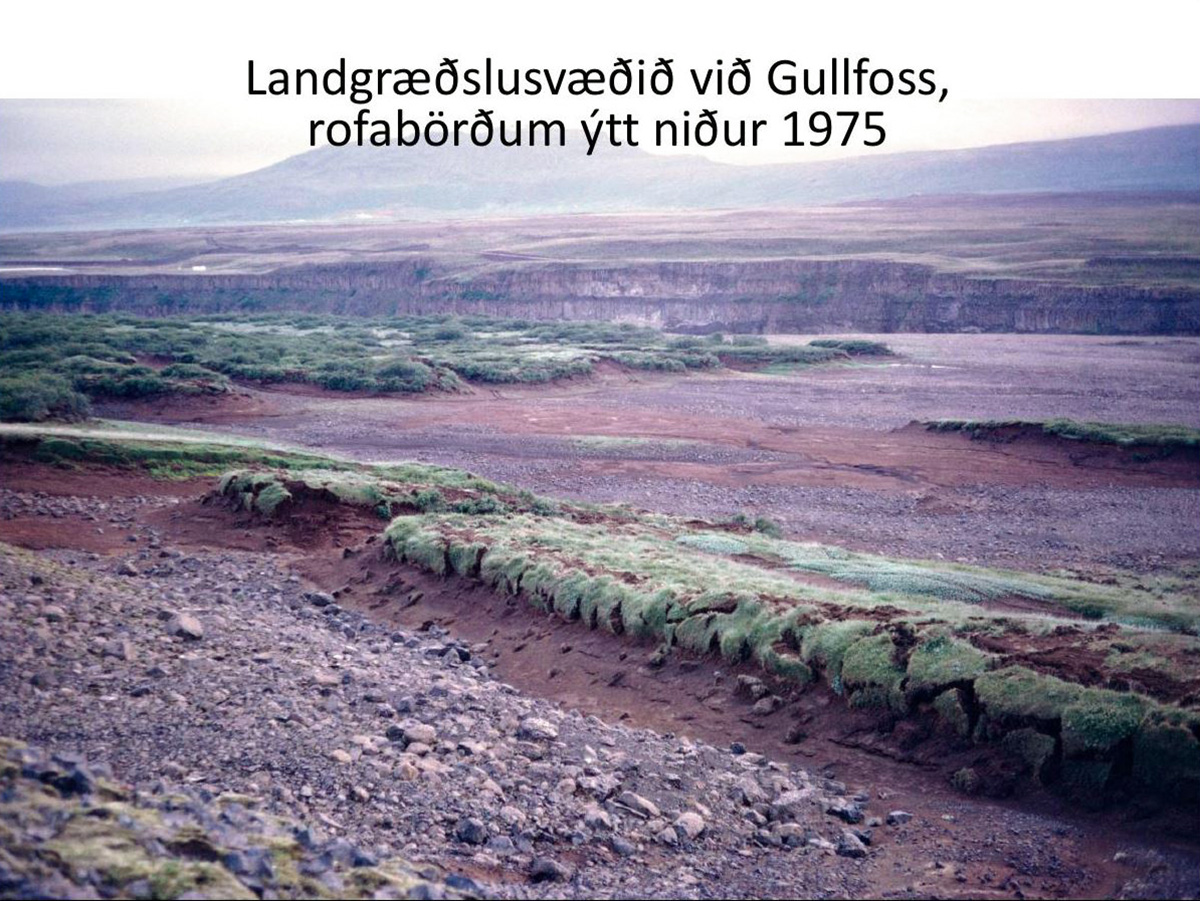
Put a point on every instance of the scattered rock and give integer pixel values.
(766, 706)
(185, 626)
(690, 824)
(471, 831)
(596, 817)
(120, 648)
(173, 844)
(793, 835)
(796, 733)
(421, 733)
(622, 846)
(791, 805)
(545, 869)
(850, 845)
(750, 688)
(643, 807)
(847, 811)
(534, 728)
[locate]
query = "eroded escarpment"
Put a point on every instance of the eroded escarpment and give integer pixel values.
(286, 686)
(758, 296)
(984, 658)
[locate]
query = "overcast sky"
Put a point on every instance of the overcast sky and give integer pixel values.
(58, 141)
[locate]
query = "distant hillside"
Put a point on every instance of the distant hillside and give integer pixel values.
(340, 183)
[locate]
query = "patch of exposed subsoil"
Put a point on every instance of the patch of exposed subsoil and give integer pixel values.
(1015, 603)
(19, 473)
(312, 524)
(89, 530)
(77, 532)
(236, 407)
(1080, 656)
(1178, 462)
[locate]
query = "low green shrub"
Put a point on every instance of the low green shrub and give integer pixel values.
(39, 396)
(768, 527)
(429, 500)
(855, 347)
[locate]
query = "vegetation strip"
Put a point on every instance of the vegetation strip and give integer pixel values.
(52, 367)
(914, 638)
(1121, 434)
(904, 650)
(907, 636)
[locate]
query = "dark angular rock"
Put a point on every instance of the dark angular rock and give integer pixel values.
(846, 811)
(545, 869)
(471, 831)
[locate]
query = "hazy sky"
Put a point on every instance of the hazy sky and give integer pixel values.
(57, 141)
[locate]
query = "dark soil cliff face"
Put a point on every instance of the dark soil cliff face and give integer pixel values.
(760, 296)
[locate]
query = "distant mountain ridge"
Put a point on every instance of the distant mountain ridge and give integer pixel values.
(421, 182)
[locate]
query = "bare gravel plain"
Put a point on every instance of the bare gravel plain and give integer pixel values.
(824, 451)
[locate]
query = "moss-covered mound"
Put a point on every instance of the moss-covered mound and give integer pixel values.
(68, 830)
(911, 637)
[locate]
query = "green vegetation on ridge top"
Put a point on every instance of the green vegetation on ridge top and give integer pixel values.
(50, 366)
(1124, 434)
(886, 633)
(882, 632)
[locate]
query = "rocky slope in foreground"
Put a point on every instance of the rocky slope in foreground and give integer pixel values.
(220, 673)
(228, 695)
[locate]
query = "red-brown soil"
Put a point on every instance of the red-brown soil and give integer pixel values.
(893, 460)
(1079, 656)
(826, 451)
(906, 764)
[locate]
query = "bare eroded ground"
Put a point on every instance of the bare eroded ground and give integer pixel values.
(825, 451)
(829, 452)
(956, 846)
